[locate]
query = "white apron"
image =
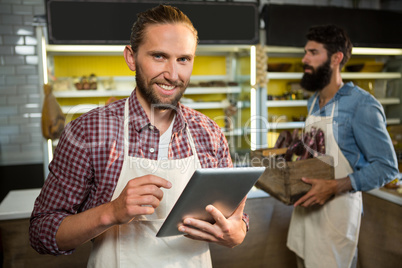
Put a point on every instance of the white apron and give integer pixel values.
(327, 236)
(135, 244)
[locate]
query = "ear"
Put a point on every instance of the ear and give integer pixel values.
(337, 58)
(129, 57)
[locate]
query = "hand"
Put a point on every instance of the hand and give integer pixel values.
(321, 191)
(228, 232)
(141, 196)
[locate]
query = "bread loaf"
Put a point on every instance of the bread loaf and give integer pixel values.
(53, 119)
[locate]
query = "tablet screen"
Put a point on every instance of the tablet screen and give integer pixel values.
(223, 188)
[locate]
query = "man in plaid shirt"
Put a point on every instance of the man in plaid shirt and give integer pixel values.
(118, 169)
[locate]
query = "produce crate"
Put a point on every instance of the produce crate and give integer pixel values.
(282, 179)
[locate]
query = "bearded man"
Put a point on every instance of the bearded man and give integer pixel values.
(119, 169)
(325, 223)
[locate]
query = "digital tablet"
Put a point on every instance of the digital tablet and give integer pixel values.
(223, 188)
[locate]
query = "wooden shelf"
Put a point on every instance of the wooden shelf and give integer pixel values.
(123, 93)
(303, 103)
(285, 125)
(384, 75)
(118, 49)
(286, 103)
(84, 108)
(389, 101)
(393, 121)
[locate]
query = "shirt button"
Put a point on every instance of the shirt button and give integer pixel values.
(152, 150)
(151, 127)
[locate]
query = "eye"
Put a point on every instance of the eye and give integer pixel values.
(158, 56)
(183, 59)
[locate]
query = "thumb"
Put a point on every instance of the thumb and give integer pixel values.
(307, 180)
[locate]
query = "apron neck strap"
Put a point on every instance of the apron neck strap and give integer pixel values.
(313, 103)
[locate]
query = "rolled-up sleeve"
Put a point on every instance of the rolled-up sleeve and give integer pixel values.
(63, 193)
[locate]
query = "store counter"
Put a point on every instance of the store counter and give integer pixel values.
(380, 232)
(18, 204)
(264, 245)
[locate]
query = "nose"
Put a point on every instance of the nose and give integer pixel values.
(305, 59)
(171, 72)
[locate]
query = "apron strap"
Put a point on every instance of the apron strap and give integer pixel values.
(313, 103)
(192, 144)
(126, 137)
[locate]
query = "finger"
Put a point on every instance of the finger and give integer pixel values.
(307, 180)
(144, 190)
(219, 218)
(308, 203)
(302, 199)
(197, 229)
(151, 179)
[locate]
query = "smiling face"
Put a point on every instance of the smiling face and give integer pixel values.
(317, 67)
(164, 63)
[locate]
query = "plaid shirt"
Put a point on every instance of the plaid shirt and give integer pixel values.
(88, 160)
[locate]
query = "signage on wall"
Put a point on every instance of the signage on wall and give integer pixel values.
(110, 22)
(287, 25)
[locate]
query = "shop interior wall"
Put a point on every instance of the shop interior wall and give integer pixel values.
(21, 95)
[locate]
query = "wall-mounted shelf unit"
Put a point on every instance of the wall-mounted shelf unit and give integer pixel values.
(210, 100)
(269, 103)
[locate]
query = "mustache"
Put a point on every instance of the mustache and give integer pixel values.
(308, 67)
(167, 82)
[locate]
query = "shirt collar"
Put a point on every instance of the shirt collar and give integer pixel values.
(346, 89)
(139, 119)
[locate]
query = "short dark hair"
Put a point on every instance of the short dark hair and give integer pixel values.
(161, 14)
(334, 39)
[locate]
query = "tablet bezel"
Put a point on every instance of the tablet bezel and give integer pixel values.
(224, 188)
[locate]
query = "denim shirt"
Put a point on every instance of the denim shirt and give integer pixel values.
(359, 126)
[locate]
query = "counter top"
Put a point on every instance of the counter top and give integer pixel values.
(18, 204)
(386, 195)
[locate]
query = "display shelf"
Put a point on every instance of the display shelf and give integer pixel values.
(212, 90)
(91, 93)
(84, 108)
(296, 76)
(286, 103)
(214, 63)
(234, 132)
(118, 49)
(349, 76)
(280, 80)
(292, 125)
(389, 101)
(122, 93)
(285, 125)
(303, 103)
(228, 133)
(206, 105)
(299, 51)
(393, 121)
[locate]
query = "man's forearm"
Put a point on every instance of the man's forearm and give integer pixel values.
(343, 185)
(77, 229)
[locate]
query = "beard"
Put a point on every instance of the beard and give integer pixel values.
(318, 79)
(150, 95)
